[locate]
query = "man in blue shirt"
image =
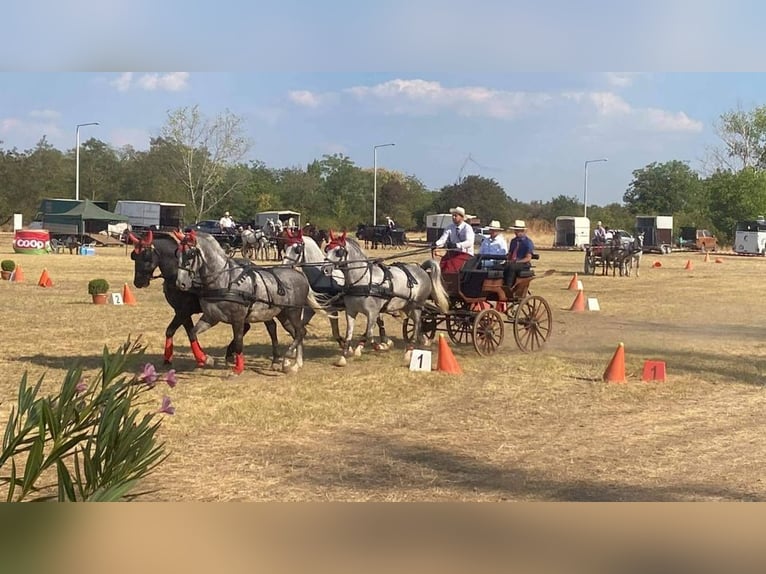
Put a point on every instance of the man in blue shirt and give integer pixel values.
(520, 251)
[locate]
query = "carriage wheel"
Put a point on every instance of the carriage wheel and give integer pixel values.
(388, 243)
(230, 250)
(460, 323)
(533, 323)
(427, 327)
(488, 332)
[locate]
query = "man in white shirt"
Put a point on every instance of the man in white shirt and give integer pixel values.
(226, 222)
(494, 244)
(458, 239)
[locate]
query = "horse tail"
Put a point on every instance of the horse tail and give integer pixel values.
(314, 303)
(438, 292)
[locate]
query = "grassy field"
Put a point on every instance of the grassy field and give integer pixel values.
(512, 427)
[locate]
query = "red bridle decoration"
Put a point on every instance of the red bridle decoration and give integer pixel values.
(141, 243)
(336, 241)
(293, 238)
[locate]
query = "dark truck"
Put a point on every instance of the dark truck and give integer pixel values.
(697, 239)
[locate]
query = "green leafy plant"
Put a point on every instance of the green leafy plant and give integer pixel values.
(7, 265)
(98, 439)
(98, 286)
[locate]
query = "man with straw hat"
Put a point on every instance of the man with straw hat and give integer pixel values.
(520, 251)
(458, 239)
(494, 244)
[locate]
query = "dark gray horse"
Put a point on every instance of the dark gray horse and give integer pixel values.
(238, 292)
(304, 253)
(373, 288)
(158, 250)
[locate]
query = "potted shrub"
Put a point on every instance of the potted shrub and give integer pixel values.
(7, 266)
(98, 288)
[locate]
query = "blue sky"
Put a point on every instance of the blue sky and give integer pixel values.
(531, 132)
(505, 83)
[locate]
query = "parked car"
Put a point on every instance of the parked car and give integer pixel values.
(207, 226)
(700, 239)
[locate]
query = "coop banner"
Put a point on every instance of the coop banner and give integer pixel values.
(33, 241)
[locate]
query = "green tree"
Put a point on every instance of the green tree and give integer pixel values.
(205, 149)
(735, 197)
(480, 196)
(663, 189)
(743, 140)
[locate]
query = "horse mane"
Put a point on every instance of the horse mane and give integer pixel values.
(310, 245)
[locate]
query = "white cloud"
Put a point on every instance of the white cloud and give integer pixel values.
(621, 79)
(305, 98)
(122, 83)
(23, 129)
(418, 97)
(45, 114)
(423, 97)
(171, 82)
(665, 121)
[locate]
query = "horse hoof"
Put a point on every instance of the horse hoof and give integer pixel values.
(408, 357)
(290, 369)
(358, 351)
(341, 362)
(276, 366)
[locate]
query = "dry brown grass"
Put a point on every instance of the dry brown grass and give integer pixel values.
(513, 427)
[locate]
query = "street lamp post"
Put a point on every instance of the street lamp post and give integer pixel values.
(375, 181)
(585, 191)
(77, 160)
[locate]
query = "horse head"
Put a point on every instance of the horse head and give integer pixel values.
(144, 258)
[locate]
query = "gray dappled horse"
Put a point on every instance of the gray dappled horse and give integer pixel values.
(238, 292)
(633, 254)
(255, 244)
(159, 250)
(373, 288)
(302, 251)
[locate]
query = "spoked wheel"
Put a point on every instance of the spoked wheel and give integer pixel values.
(488, 332)
(460, 323)
(427, 327)
(533, 324)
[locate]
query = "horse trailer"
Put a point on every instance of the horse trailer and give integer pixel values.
(572, 231)
(262, 218)
(144, 215)
(436, 224)
(750, 237)
(658, 232)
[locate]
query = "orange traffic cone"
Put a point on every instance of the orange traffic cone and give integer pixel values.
(707, 257)
(578, 305)
(45, 280)
(656, 264)
(615, 371)
(127, 295)
(447, 363)
(689, 266)
(18, 275)
(718, 260)
(573, 283)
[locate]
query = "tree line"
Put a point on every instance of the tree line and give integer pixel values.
(198, 160)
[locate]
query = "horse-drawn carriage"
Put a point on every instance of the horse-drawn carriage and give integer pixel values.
(599, 254)
(381, 236)
(483, 299)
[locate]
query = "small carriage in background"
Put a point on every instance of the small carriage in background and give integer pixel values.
(485, 299)
(594, 253)
(381, 236)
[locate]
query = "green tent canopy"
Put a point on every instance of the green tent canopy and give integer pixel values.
(87, 216)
